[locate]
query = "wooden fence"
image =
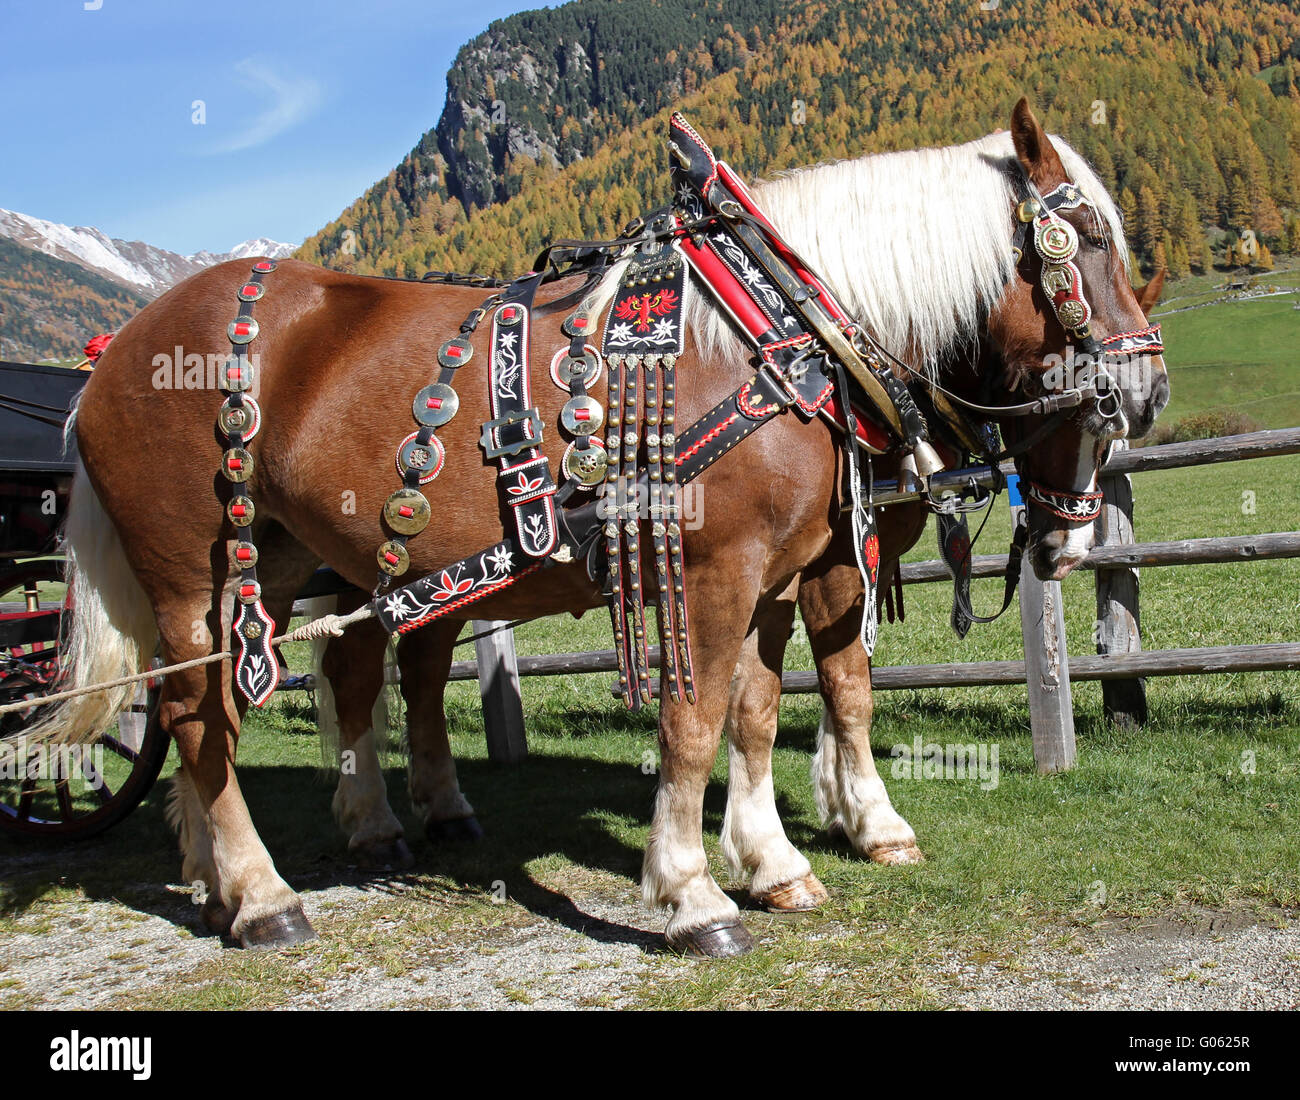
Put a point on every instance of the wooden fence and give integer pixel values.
(1047, 670)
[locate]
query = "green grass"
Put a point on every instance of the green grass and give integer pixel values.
(1241, 356)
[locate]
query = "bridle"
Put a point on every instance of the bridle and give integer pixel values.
(1056, 243)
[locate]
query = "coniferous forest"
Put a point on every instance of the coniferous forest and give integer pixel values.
(554, 120)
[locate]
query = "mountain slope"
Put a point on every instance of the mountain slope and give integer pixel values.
(1190, 111)
(49, 307)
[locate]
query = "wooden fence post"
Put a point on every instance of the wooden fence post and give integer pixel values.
(498, 685)
(1047, 663)
(1119, 622)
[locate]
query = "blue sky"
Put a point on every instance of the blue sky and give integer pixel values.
(307, 103)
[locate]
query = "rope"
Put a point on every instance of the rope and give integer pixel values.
(325, 626)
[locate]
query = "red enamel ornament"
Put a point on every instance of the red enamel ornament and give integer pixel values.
(871, 554)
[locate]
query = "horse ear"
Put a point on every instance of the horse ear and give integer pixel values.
(1034, 149)
(1149, 295)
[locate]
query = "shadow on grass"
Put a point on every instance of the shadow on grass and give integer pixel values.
(575, 808)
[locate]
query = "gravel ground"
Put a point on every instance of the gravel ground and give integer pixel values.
(97, 954)
(94, 954)
(1209, 961)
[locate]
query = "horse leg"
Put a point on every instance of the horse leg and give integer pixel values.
(352, 665)
(247, 899)
(851, 796)
(260, 907)
(424, 657)
(675, 872)
(752, 837)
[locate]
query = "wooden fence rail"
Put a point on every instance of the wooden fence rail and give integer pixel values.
(1120, 664)
(1278, 656)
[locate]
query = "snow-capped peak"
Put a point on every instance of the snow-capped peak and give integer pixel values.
(141, 266)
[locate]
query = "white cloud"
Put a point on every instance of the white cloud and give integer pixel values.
(290, 100)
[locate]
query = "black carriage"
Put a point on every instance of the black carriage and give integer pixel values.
(46, 791)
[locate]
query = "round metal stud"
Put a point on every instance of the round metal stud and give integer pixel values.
(242, 330)
(456, 352)
(263, 266)
(435, 405)
(577, 323)
(1028, 210)
(237, 464)
(243, 555)
(393, 558)
(1056, 241)
(586, 465)
(407, 512)
(251, 292)
(242, 420)
(240, 510)
(1072, 313)
(510, 314)
(237, 374)
(249, 592)
(582, 416)
(424, 458)
(565, 370)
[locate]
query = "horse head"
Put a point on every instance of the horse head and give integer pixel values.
(1070, 330)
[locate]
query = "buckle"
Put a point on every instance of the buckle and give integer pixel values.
(531, 436)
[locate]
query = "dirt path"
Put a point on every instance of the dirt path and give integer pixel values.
(384, 947)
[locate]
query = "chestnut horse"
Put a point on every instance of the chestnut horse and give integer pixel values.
(852, 801)
(851, 797)
(341, 356)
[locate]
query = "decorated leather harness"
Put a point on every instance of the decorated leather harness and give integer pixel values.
(811, 358)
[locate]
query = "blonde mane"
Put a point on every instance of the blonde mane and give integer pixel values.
(917, 244)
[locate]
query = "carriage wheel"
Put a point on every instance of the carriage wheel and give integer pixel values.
(69, 795)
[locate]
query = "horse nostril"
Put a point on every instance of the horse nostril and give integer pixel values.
(1159, 395)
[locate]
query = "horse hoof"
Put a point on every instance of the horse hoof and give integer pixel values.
(394, 853)
(715, 941)
(800, 896)
(278, 930)
(457, 830)
(898, 854)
